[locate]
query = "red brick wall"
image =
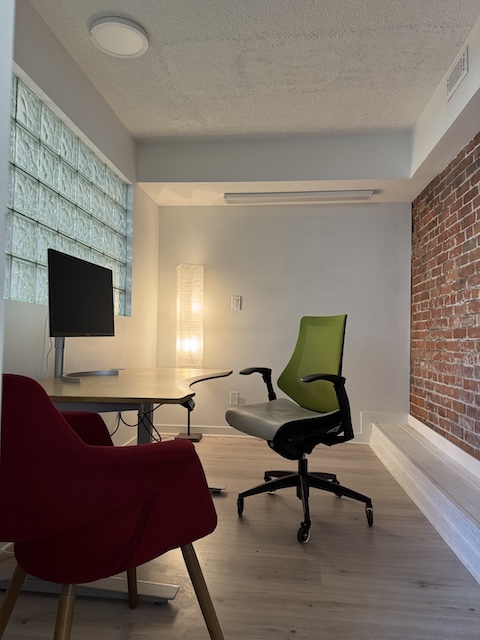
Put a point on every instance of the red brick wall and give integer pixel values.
(445, 323)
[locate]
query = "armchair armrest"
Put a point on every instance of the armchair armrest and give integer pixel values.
(132, 475)
(98, 480)
(266, 374)
(89, 426)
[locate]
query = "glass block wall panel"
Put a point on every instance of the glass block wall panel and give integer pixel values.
(22, 280)
(41, 285)
(29, 108)
(27, 151)
(23, 236)
(23, 193)
(68, 145)
(50, 130)
(61, 196)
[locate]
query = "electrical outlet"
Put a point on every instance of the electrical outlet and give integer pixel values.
(234, 398)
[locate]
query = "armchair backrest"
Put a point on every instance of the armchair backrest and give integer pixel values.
(42, 469)
(319, 349)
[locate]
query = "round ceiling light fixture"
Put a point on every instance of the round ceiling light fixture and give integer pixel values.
(119, 37)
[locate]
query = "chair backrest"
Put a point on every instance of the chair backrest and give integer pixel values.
(319, 349)
(41, 457)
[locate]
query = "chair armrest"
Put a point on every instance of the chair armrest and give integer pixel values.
(343, 403)
(101, 480)
(134, 475)
(136, 472)
(89, 426)
(266, 374)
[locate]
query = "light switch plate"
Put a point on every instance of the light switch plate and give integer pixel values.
(236, 303)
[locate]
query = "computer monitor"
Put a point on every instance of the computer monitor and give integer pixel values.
(80, 299)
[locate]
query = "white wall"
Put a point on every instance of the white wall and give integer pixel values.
(286, 262)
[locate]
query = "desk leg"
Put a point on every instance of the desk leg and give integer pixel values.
(145, 421)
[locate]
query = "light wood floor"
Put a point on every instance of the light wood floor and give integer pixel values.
(395, 581)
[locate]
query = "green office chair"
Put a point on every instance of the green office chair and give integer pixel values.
(318, 413)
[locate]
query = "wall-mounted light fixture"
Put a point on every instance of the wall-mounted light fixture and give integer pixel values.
(119, 37)
(299, 197)
(190, 278)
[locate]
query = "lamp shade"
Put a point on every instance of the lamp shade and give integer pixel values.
(189, 352)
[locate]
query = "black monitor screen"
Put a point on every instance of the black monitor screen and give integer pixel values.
(80, 297)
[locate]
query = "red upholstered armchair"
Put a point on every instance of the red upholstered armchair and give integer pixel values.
(79, 509)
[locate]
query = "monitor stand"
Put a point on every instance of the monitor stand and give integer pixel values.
(74, 377)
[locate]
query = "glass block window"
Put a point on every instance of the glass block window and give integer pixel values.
(63, 196)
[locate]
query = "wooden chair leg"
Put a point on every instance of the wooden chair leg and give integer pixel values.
(202, 593)
(10, 597)
(132, 588)
(66, 606)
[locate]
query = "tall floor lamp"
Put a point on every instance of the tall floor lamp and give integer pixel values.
(189, 351)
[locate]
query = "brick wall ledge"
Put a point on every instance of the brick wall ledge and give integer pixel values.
(439, 479)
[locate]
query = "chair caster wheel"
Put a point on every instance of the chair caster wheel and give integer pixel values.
(369, 512)
(303, 535)
(240, 506)
(267, 478)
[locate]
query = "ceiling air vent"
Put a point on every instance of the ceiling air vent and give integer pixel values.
(457, 74)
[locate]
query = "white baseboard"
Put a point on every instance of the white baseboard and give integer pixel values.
(467, 461)
(444, 489)
(362, 435)
(369, 418)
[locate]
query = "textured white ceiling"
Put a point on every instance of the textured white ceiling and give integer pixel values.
(228, 68)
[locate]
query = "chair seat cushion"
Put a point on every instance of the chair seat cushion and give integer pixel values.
(264, 420)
